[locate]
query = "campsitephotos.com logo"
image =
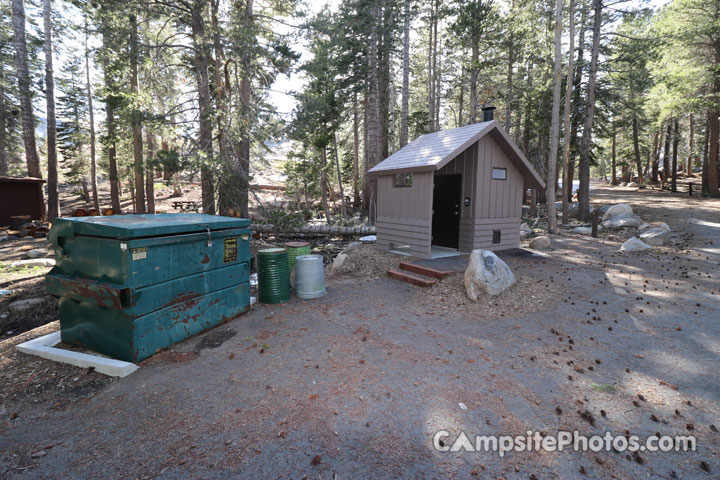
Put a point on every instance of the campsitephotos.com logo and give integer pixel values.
(534, 441)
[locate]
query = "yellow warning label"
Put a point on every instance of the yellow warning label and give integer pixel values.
(230, 252)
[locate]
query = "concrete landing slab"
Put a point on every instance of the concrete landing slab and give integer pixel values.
(44, 347)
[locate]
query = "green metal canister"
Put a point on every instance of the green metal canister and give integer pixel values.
(273, 275)
(295, 249)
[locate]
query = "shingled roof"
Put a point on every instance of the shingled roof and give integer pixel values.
(435, 150)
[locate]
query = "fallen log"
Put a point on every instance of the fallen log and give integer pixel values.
(316, 229)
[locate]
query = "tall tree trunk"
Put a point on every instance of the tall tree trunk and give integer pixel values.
(150, 171)
(110, 127)
(577, 119)
(228, 186)
(431, 75)
(706, 154)
(26, 108)
(324, 185)
(511, 64)
(555, 120)
(676, 139)
(437, 71)
(373, 116)
(691, 153)
(356, 152)
(205, 134)
(386, 23)
(474, 59)
(339, 177)
(405, 100)
(461, 100)
(245, 100)
(136, 120)
(613, 157)
(636, 148)
(666, 156)
(93, 162)
(52, 185)
(712, 157)
(567, 182)
(584, 166)
(656, 155)
(713, 112)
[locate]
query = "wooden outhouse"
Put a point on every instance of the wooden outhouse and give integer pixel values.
(458, 189)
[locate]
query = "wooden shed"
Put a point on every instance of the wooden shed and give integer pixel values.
(458, 189)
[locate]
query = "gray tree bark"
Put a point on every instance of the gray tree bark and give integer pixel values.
(405, 100)
(136, 121)
(93, 162)
(52, 185)
(584, 166)
(555, 121)
(373, 116)
(23, 75)
(203, 83)
(567, 182)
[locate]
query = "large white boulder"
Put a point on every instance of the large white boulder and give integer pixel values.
(36, 262)
(338, 262)
(540, 243)
(486, 272)
(634, 245)
(19, 306)
(656, 236)
(615, 210)
(624, 220)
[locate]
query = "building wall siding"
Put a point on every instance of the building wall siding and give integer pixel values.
(405, 214)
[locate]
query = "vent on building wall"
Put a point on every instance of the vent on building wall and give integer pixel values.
(496, 236)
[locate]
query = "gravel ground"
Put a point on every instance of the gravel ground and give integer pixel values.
(355, 384)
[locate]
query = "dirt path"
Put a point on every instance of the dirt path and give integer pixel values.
(355, 384)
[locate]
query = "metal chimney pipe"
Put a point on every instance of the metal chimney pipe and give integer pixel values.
(488, 113)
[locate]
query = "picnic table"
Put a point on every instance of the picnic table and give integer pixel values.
(186, 205)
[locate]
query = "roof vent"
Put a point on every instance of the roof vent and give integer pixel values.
(488, 113)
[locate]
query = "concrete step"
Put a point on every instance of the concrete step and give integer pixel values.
(427, 271)
(412, 279)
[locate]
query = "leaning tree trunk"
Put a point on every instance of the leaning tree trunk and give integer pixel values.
(135, 120)
(555, 122)
(405, 95)
(567, 182)
(584, 166)
(91, 118)
(52, 185)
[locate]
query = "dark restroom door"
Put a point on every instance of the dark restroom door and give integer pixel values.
(446, 210)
